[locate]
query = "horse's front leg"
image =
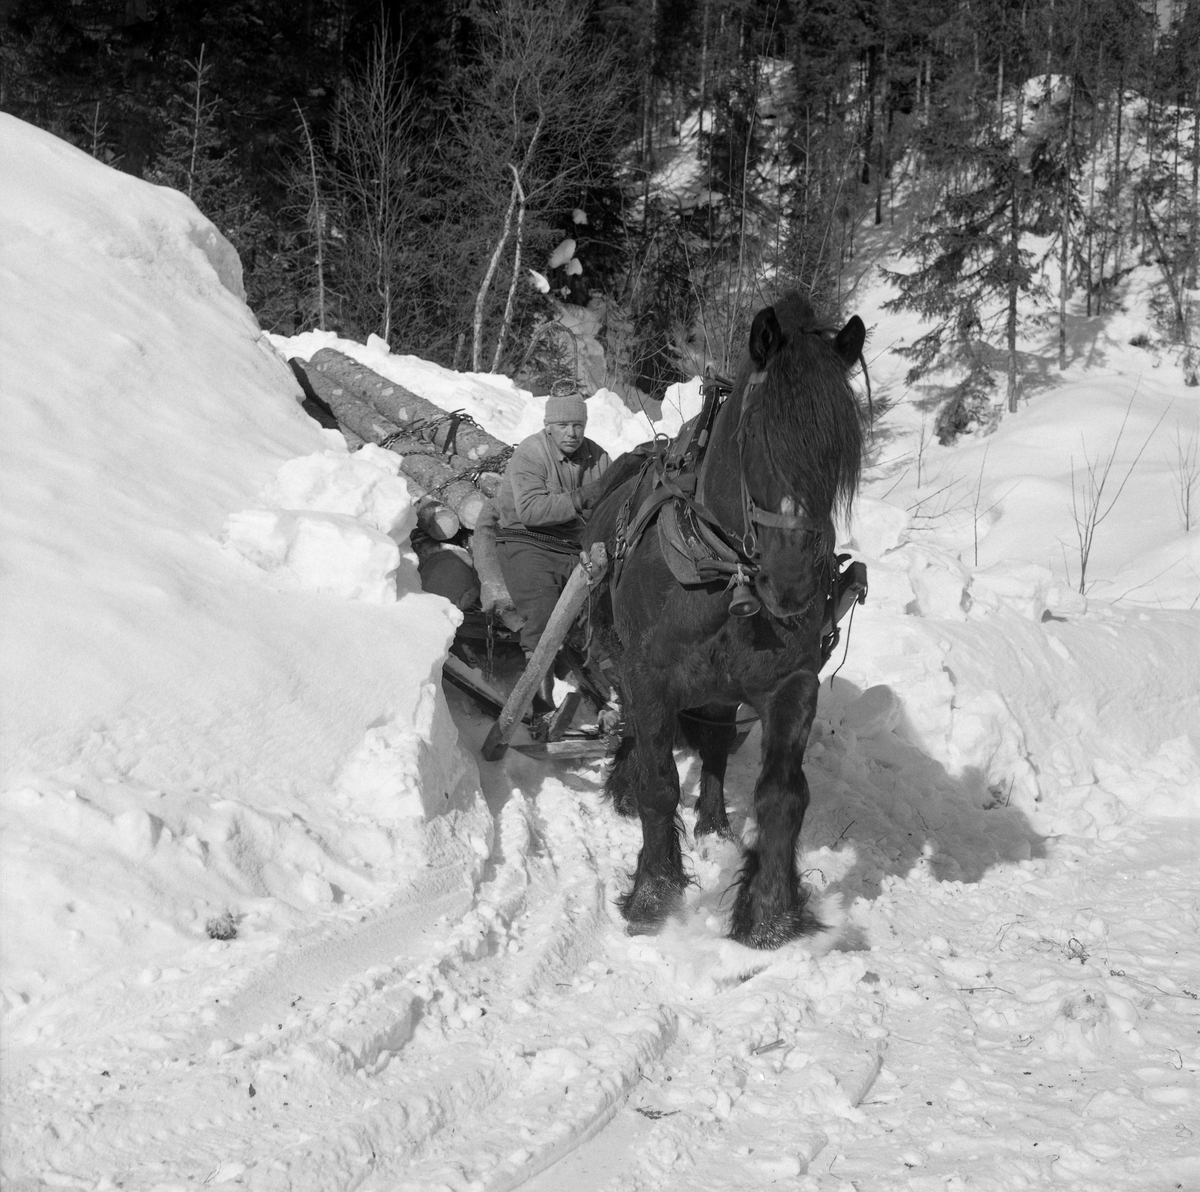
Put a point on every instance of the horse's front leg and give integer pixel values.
(769, 908)
(659, 879)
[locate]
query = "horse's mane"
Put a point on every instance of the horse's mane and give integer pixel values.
(807, 420)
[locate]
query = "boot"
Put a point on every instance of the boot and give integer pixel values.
(543, 697)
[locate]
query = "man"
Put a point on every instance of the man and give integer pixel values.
(550, 484)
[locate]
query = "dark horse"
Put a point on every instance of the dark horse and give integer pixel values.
(784, 455)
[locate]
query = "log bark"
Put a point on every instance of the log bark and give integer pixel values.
(443, 481)
(471, 444)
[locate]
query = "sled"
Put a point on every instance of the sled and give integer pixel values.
(558, 739)
(471, 682)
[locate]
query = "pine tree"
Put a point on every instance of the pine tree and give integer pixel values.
(973, 276)
(196, 159)
(1167, 190)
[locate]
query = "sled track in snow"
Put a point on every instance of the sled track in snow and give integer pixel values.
(502, 1031)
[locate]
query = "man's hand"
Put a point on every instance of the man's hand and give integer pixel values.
(587, 495)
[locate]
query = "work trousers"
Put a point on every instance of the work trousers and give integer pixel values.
(535, 576)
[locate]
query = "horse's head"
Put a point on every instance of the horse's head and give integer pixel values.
(796, 438)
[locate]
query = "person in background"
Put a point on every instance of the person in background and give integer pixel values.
(550, 485)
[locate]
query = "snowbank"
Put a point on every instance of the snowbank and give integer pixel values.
(221, 694)
(1079, 710)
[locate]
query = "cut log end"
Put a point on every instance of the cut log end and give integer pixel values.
(437, 519)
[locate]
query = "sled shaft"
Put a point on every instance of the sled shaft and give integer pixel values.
(542, 659)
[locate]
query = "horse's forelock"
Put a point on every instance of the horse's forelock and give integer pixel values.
(808, 423)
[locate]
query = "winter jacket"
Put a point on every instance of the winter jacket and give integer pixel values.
(539, 484)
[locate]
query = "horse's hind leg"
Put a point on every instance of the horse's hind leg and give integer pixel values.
(659, 880)
(770, 904)
(711, 731)
(625, 779)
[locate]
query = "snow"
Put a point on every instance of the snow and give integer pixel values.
(202, 634)
(269, 921)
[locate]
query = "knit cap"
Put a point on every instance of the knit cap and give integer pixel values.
(569, 407)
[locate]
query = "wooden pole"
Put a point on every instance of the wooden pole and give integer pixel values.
(589, 572)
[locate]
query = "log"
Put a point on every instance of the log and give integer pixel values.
(489, 483)
(471, 444)
(561, 620)
(431, 471)
(494, 596)
(354, 393)
(361, 419)
(432, 478)
(436, 519)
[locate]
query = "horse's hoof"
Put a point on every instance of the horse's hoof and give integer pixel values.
(650, 904)
(644, 926)
(774, 931)
(713, 827)
(626, 806)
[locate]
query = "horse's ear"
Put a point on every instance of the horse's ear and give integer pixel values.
(848, 343)
(766, 337)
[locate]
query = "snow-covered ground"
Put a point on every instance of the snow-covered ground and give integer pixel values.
(222, 717)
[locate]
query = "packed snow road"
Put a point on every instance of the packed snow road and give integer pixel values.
(1031, 1022)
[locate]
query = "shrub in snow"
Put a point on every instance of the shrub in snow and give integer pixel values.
(221, 927)
(562, 254)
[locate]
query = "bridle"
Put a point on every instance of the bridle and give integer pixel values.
(753, 515)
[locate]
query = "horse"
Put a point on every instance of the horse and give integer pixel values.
(783, 458)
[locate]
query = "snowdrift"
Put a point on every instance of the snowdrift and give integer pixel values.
(221, 691)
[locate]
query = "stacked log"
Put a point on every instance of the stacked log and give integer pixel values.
(451, 464)
(471, 443)
(447, 457)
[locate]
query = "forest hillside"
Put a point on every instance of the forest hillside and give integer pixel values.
(556, 187)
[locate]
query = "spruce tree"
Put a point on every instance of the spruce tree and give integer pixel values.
(972, 275)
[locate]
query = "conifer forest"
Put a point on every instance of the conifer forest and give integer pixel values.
(451, 175)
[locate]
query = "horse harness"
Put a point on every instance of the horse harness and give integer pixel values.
(696, 547)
